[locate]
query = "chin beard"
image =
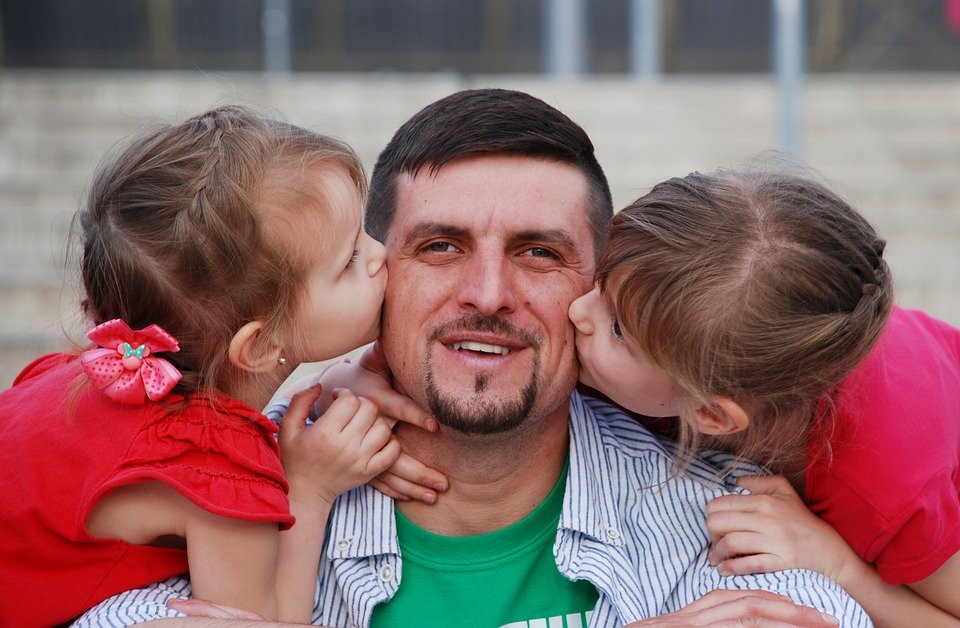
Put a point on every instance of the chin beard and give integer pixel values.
(476, 415)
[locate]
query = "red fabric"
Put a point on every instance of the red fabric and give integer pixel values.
(890, 480)
(63, 451)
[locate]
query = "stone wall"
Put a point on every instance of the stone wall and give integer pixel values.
(890, 143)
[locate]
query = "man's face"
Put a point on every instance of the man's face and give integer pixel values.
(485, 257)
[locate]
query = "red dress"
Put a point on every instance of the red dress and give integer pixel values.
(66, 445)
(890, 480)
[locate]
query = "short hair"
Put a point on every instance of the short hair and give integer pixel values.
(480, 122)
(179, 229)
(763, 287)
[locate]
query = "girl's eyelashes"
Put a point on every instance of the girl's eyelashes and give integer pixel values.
(353, 259)
(615, 328)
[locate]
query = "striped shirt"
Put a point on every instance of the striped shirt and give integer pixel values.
(630, 525)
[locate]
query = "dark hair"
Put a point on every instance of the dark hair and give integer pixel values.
(763, 287)
(181, 229)
(478, 122)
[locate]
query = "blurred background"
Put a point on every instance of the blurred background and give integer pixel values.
(866, 93)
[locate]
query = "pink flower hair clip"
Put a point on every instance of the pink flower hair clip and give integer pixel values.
(124, 366)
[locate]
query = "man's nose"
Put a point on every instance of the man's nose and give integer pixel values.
(487, 284)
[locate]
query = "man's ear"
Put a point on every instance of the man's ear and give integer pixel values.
(722, 417)
(250, 351)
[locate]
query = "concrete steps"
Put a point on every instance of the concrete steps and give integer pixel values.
(890, 143)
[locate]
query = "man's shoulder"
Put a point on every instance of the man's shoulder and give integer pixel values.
(600, 424)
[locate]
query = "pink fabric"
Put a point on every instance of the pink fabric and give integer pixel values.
(125, 368)
(889, 480)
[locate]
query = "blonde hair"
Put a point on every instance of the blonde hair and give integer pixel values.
(174, 231)
(763, 287)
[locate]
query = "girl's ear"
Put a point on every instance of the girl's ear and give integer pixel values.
(724, 416)
(250, 352)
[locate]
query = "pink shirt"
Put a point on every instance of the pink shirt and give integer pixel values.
(890, 480)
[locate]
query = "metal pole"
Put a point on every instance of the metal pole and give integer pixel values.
(788, 58)
(276, 36)
(565, 26)
(645, 44)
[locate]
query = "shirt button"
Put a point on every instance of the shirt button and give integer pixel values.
(343, 544)
(386, 573)
(612, 533)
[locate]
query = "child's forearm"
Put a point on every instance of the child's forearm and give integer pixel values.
(298, 558)
(890, 606)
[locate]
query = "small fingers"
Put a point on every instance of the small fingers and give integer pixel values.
(376, 437)
(397, 487)
(754, 563)
(405, 409)
(341, 411)
(294, 419)
(382, 486)
(383, 459)
(415, 472)
(722, 523)
(769, 484)
(737, 544)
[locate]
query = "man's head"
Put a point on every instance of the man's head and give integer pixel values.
(490, 204)
(479, 122)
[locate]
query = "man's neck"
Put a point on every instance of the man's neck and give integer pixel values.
(495, 480)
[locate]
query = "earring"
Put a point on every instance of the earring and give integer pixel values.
(281, 361)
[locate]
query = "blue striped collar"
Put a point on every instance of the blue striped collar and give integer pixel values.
(362, 522)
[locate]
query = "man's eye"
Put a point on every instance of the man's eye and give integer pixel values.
(440, 247)
(615, 328)
(539, 251)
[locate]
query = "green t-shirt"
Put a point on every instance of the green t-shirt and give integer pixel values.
(506, 578)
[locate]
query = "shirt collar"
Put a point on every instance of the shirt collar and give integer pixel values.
(589, 504)
(362, 521)
(362, 524)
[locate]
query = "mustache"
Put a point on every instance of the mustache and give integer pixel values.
(487, 324)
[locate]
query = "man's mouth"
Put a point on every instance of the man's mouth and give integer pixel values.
(480, 347)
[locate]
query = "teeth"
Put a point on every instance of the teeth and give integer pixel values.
(481, 347)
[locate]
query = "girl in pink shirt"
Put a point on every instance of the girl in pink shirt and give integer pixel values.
(757, 307)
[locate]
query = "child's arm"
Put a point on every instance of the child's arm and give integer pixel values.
(943, 586)
(772, 529)
(231, 561)
(346, 447)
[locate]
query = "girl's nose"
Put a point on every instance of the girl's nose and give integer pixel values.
(579, 312)
(377, 255)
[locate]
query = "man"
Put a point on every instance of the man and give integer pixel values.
(561, 510)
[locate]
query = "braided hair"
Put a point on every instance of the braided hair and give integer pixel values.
(174, 231)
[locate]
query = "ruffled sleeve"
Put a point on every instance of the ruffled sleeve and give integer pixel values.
(220, 454)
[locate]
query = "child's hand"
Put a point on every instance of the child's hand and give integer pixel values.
(347, 446)
(410, 479)
(772, 529)
(370, 377)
